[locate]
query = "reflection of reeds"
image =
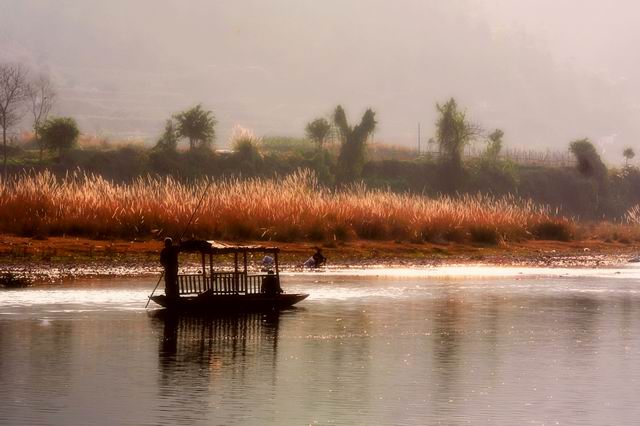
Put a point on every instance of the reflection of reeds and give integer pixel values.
(288, 209)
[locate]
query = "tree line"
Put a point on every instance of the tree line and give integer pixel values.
(22, 94)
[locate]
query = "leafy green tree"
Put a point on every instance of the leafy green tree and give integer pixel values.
(628, 155)
(590, 165)
(488, 173)
(169, 139)
(353, 139)
(197, 125)
(494, 145)
(453, 133)
(318, 131)
(60, 133)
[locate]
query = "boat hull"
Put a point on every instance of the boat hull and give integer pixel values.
(227, 303)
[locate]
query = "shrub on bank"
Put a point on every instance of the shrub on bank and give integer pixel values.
(558, 230)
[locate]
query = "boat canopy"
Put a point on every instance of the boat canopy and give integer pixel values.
(216, 247)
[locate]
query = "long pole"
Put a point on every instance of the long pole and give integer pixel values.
(181, 236)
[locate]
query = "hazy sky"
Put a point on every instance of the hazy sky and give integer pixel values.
(545, 71)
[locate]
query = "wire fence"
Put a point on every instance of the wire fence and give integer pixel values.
(548, 157)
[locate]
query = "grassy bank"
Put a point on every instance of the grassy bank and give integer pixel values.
(294, 208)
(53, 260)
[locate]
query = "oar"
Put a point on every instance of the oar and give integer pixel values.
(154, 290)
(181, 236)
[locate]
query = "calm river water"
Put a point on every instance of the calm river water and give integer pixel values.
(391, 347)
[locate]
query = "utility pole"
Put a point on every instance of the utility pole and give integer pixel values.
(418, 138)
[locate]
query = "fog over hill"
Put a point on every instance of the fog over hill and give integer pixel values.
(544, 71)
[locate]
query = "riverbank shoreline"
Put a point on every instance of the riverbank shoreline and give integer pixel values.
(59, 259)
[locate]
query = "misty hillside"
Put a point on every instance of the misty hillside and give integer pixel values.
(123, 67)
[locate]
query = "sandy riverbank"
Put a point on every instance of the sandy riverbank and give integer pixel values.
(58, 259)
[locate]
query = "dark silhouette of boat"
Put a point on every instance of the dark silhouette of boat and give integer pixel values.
(215, 289)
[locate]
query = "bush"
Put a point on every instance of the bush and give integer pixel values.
(484, 234)
(553, 230)
(59, 133)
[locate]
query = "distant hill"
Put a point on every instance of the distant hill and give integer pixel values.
(123, 67)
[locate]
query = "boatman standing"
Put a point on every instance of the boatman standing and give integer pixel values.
(169, 260)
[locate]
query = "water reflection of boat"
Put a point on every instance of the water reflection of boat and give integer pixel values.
(229, 290)
(204, 357)
(197, 336)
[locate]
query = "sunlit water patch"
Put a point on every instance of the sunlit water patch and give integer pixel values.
(628, 270)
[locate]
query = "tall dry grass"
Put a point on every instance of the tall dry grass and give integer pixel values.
(626, 230)
(294, 208)
(633, 215)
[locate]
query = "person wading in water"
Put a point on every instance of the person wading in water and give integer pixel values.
(169, 260)
(318, 258)
(315, 261)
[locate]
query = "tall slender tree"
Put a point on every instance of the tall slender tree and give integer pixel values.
(41, 96)
(454, 132)
(353, 144)
(168, 142)
(13, 93)
(628, 155)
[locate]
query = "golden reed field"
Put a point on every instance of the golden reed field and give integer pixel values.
(294, 208)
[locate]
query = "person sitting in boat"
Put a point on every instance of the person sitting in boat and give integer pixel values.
(267, 263)
(315, 261)
(271, 284)
(169, 260)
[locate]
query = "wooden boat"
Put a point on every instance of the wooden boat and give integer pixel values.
(214, 290)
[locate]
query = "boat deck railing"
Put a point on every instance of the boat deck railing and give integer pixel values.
(220, 283)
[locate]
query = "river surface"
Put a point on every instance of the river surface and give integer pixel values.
(392, 347)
